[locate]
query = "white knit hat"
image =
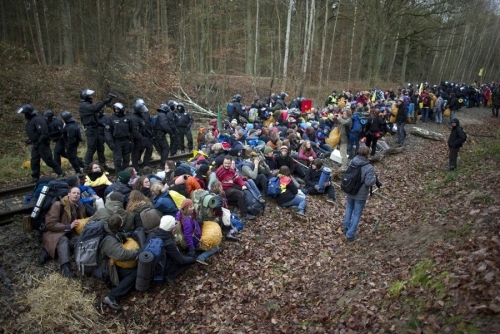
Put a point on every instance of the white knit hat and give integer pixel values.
(167, 223)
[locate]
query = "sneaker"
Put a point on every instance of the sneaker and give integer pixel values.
(262, 200)
(114, 305)
(231, 237)
(301, 213)
(345, 229)
(248, 217)
(350, 239)
(66, 271)
(203, 262)
(331, 200)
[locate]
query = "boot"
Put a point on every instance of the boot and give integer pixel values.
(44, 257)
(66, 271)
(230, 237)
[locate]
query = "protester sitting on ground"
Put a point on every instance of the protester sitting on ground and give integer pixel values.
(183, 183)
(284, 159)
(313, 175)
(162, 200)
(216, 158)
(274, 142)
(111, 248)
(96, 178)
(60, 237)
(143, 184)
(233, 186)
(177, 262)
(133, 175)
(306, 153)
(255, 169)
(192, 232)
(289, 196)
(137, 203)
(114, 204)
(203, 175)
(167, 174)
(87, 195)
(249, 183)
(120, 185)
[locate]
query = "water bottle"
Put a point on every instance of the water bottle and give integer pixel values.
(39, 202)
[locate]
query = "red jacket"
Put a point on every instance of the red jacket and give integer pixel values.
(228, 178)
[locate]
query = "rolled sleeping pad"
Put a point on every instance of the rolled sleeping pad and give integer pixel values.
(325, 176)
(144, 269)
(210, 201)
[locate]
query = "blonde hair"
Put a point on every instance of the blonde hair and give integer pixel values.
(156, 188)
(217, 147)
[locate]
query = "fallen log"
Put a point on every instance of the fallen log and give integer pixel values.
(426, 134)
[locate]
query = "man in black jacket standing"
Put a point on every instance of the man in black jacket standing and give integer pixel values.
(72, 137)
(38, 135)
(161, 128)
(90, 121)
(455, 141)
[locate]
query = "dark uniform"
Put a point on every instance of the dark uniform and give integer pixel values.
(38, 135)
(150, 137)
(118, 137)
(72, 136)
(55, 126)
(161, 128)
(90, 121)
(103, 119)
(141, 135)
(184, 120)
(172, 122)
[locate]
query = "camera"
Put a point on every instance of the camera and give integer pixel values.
(111, 96)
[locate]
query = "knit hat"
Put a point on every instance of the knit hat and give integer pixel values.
(186, 203)
(203, 170)
(267, 150)
(167, 223)
(116, 196)
(73, 181)
(123, 176)
(234, 121)
(179, 171)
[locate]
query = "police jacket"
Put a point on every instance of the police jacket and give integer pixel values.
(238, 110)
(103, 120)
(139, 127)
(71, 133)
(184, 119)
(162, 123)
(88, 113)
(148, 122)
(55, 127)
(119, 127)
(37, 130)
(172, 121)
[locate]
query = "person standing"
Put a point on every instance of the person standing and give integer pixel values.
(161, 128)
(184, 123)
(118, 137)
(496, 102)
(139, 137)
(90, 121)
(401, 121)
(103, 119)
(455, 141)
(72, 137)
(356, 203)
(38, 135)
(345, 124)
(172, 122)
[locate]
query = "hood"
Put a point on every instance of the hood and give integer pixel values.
(455, 120)
(360, 161)
(114, 206)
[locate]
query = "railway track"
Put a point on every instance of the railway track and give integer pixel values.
(12, 204)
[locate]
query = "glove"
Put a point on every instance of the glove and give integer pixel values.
(122, 237)
(191, 253)
(108, 100)
(378, 183)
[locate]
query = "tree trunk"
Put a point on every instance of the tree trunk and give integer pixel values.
(47, 33)
(393, 58)
(67, 40)
(287, 42)
(308, 37)
(332, 46)
(323, 46)
(405, 60)
(352, 42)
(426, 134)
(39, 33)
(256, 50)
(136, 22)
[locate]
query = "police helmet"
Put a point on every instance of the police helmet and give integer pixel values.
(49, 114)
(66, 115)
(163, 108)
(86, 94)
(118, 108)
(139, 106)
(180, 106)
(27, 110)
(237, 97)
(170, 103)
(283, 95)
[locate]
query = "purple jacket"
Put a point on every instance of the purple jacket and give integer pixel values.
(191, 230)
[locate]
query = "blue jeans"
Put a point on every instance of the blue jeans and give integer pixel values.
(352, 148)
(425, 114)
(298, 201)
(438, 116)
(206, 254)
(401, 132)
(252, 187)
(353, 211)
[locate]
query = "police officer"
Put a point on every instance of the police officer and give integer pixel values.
(55, 127)
(184, 122)
(38, 135)
(141, 137)
(118, 136)
(103, 119)
(90, 121)
(149, 134)
(72, 136)
(238, 109)
(161, 128)
(172, 122)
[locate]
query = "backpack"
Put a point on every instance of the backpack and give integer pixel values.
(54, 191)
(154, 120)
(266, 114)
(155, 247)
(426, 99)
(87, 247)
(351, 180)
(201, 135)
(179, 235)
(274, 186)
(230, 110)
(253, 206)
(356, 129)
(204, 204)
(252, 115)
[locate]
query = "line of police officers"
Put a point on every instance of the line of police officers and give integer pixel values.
(129, 136)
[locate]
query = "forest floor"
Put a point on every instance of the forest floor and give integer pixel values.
(427, 260)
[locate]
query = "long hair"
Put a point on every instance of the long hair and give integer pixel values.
(139, 183)
(137, 199)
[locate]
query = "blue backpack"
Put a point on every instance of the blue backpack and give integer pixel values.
(274, 186)
(155, 247)
(230, 110)
(356, 129)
